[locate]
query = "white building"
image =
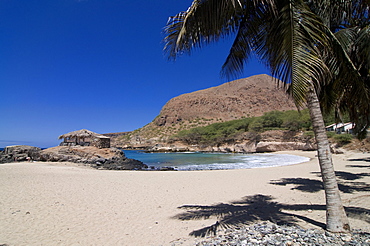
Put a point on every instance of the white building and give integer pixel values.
(341, 127)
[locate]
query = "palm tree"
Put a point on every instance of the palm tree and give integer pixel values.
(348, 91)
(298, 41)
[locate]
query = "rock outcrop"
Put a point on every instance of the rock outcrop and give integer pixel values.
(106, 158)
(269, 141)
(18, 153)
(242, 147)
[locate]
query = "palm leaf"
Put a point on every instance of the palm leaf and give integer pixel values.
(202, 23)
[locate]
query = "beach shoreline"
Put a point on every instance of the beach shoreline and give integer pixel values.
(70, 204)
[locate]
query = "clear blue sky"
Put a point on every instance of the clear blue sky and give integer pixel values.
(67, 65)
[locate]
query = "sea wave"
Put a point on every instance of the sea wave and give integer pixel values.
(189, 161)
(247, 162)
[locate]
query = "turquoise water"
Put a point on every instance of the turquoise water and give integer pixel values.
(186, 161)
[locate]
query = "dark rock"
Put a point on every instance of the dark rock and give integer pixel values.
(101, 160)
(167, 169)
(108, 158)
(19, 153)
(124, 164)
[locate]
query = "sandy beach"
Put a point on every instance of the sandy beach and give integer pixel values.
(66, 204)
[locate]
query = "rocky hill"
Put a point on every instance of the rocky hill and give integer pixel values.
(246, 97)
(240, 98)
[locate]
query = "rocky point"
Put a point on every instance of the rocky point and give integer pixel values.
(105, 158)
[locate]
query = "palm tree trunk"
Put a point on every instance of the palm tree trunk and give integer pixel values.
(336, 218)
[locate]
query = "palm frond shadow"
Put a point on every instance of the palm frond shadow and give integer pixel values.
(349, 176)
(345, 180)
(360, 159)
(252, 209)
(302, 184)
(249, 210)
(359, 166)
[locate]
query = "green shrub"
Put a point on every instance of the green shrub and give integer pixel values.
(330, 134)
(272, 119)
(256, 125)
(309, 134)
(227, 131)
(294, 120)
(331, 118)
(343, 138)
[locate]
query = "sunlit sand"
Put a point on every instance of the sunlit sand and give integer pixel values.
(66, 204)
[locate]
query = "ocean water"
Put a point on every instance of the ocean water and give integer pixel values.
(187, 161)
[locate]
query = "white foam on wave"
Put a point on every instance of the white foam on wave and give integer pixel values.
(214, 161)
(248, 161)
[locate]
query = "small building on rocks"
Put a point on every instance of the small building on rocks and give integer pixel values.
(85, 138)
(341, 128)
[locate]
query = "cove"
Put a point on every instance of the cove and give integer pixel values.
(188, 161)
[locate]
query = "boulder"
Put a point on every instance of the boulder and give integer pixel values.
(19, 153)
(335, 149)
(124, 164)
(281, 146)
(106, 158)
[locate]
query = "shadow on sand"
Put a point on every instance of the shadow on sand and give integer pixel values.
(259, 207)
(361, 159)
(345, 180)
(256, 208)
(360, 165)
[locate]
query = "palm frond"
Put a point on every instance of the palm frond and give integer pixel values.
(337, 13)
(202, 23)
(207, 21)
(353, 80)
(239, 54)
(292, 48)
(363, 47)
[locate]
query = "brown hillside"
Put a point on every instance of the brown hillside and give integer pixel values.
(247, 97)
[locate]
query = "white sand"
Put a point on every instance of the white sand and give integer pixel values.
(59, 204)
